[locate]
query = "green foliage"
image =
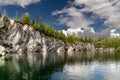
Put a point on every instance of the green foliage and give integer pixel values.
(33, 21)
(107, 42)
(40, 21)
(86, 39)
(5, 13)
(0, 12)
(16, 17)
(47, 30)
(25, 18)
(118, 49)
(37, 20)
(71, 39)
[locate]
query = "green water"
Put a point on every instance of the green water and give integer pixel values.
(82, 66)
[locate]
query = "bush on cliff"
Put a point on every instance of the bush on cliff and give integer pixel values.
(25, 18)
(118, 49)
(107, 42)
(49, 31)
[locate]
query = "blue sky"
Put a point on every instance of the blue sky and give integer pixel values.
(96, 17)
(42, 9)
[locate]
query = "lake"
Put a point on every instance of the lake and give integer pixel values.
(82, 66)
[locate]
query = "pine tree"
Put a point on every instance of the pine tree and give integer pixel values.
(40, 21)
(37, 20)
(5, 13)
(33, 21)
(16, 16)
(25, 18)
(0, 12)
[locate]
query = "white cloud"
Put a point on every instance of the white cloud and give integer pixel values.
(113, 21)
(64, 32)
(21, 3)
(73, 16)
(114, 33)
(76, 31)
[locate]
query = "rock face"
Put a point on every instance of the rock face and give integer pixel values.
(17, 37)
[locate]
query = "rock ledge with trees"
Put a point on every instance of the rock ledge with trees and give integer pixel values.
(30, 37)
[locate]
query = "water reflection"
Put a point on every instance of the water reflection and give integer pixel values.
(93, 71)
(60, 66)
(2, 61)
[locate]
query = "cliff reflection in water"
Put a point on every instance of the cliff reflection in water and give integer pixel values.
(35, 66)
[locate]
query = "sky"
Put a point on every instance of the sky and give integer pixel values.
(94, 18)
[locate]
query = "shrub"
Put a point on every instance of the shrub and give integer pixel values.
(118, 49)
(25, 18)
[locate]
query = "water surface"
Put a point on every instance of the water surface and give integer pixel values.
(81, 66)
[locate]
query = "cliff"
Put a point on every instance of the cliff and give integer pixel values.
(17, 37)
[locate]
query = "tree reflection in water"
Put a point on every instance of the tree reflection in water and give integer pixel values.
(34, 67)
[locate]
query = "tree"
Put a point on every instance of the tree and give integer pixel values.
(37, 20)
(0, 12)
(25, 18)
(16, 16)
(40, 21)
(5, 13)
(33, 21)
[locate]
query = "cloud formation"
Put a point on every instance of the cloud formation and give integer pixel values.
(114, 33)
(74, 15)
(21, 3)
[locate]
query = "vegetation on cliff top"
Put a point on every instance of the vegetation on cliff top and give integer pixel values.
(107, 43)
(47, 30)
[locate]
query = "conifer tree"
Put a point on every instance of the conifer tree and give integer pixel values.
(25, 18)
(33, 21)
(0, 12)
(16, 16)
(5, 13)
(40, 21)
(37, 20)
